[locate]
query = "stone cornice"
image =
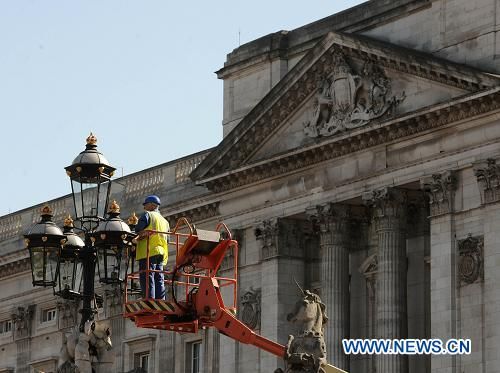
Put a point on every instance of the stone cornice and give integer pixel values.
(12, 268)
(360, 17)
(372, 135)
(300, 82)
(195, 214)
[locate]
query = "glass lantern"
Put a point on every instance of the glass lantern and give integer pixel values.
(112, 240)
(44, 240)
(69, 279)
(90, 175)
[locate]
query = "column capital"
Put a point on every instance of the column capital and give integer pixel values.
(329, 216)
(440, 187)
(389, 207)
(488, 177)
(267, 233)
(332, 222)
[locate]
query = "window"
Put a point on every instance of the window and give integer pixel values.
(141, 360)
(49, 315)
(196, 357)
(5, 327)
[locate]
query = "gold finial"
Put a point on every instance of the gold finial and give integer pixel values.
(114, 207)
(91, 140)
(133, 219)
(68, 222)
(46, 210)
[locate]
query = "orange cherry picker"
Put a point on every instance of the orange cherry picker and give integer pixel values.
(195, 291)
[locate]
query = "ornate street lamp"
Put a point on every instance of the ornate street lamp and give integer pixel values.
(70, 269)
(44, 241)
(69, 278)
(90, 175)
(112, 240)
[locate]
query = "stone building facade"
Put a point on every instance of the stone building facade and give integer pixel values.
(361, 158)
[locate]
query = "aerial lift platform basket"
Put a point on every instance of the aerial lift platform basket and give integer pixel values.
(194, 299)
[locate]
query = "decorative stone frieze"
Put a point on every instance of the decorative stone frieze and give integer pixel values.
(196, 214)
(339, 105)
(488, 178)
(18, 266)
(440, 188)
(391, 130)
(250, 308)
(22, 317)
(470, 259)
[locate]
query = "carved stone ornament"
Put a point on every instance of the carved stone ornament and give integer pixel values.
(470, 261)
(389, 207)
(22, 317)
(250, 308)
(345, 100)
(488, 177)
(267, 234)
(67, 311)
(440, 188)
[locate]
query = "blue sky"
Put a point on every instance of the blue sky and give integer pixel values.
(139, 74)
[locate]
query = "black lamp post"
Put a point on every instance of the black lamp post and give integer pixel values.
(67, 262)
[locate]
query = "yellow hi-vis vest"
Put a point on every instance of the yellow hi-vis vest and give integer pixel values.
(158, 242)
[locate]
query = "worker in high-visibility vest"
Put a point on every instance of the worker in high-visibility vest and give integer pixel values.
(158, 247)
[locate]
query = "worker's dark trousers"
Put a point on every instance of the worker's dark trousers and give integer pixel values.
(156, 283)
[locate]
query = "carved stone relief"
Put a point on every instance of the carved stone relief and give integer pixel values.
(488, 177)
(250, 308)
(345, 100)
(470, 261)
(67, 311)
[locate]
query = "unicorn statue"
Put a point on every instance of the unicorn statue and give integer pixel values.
(306, 351)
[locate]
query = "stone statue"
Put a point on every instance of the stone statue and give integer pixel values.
(82, 351)
(306, 351)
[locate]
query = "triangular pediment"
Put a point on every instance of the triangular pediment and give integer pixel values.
(345, 84)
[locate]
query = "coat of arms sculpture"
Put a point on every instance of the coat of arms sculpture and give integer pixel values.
(345, 100)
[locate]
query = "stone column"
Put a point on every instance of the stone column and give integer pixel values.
(440, 189)
(389, 208)
(22, 317)
(332, 220)
(281, 245)
(488, 179)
